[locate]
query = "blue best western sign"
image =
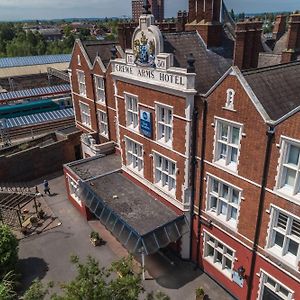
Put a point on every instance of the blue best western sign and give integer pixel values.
(146, 123)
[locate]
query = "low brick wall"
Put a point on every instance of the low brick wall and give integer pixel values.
(37, 161)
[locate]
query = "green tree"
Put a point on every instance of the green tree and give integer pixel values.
(37, 291)
(8, 251)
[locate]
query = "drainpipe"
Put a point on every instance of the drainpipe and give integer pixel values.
(201, 188)
(193, 172)
(270, 134)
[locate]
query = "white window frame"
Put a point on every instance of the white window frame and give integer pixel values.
(221, 266)
(134, 156)
(78, 60)
(103, 123)
(164, 125)
(226, 161)
(276, 227)
(164, 173)
(73, 188)
(132, 111)
(230, 94)
(265, 281)
(84, 115)
(81, 83)
(221, 201)
(99, 89)
(284, 166)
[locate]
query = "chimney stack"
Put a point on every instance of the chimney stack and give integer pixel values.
(292, 51)
(248, 44)
(204, 17)
(182, 19)
(279, 27)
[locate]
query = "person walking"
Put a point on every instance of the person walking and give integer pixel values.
(46, 187)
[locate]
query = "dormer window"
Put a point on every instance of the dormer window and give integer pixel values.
(230, 99)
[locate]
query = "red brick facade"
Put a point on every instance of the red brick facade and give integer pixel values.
(246, 246)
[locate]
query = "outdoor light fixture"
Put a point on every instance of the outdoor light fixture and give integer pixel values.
(241, 272)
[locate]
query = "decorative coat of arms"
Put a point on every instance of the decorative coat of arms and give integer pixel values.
(144, 51)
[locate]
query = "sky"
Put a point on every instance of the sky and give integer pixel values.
(57, 9)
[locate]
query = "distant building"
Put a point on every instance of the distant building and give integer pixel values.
(157, 9)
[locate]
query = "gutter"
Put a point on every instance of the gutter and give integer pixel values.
(193, 173)
(201, 187)
(270, 134)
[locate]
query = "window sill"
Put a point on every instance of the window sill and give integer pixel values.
(231, 225)
(285, 193)
(166, 191)
(163, 143)
(287, 259)
(139, 173)
(230, 167)
(230, 109)
(104, 135)
(225, 272)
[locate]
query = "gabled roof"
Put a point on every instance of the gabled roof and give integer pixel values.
(277, 88)
(210, 64)
(99, 48)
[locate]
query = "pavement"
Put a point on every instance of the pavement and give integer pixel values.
(47, 256)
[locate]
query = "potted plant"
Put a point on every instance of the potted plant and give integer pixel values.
(200, 294)
(24, 230)
(95, 238)
(41, 214)
(33, 220)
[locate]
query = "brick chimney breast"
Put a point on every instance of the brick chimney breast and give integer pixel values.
(248, 44)
(293, 45)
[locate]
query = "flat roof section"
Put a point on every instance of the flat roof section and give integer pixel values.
(93, 167)
(141, 211)
(138, 220)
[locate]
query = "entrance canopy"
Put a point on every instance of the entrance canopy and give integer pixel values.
(135, 218)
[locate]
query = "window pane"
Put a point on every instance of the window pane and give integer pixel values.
(224, 132)
(223, 209)
(215, 186)
(225, 191)
(213, 203)
(210, 251)
(235, 196)
(279, 238)
(294, 155)
(223, 151)
(235, 135)
(228, 263)
(293, 247)
(290, 177)
(234, 152)
(233, 213)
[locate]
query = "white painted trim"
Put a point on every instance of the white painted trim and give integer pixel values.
(113, 109)
(153, 141)
(224, 244)
(84, 97)
(263, 273)
(84, 127)
(230, 172)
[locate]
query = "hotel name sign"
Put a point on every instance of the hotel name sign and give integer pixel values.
(152, 75)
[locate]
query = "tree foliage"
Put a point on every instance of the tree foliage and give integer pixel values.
(8, 251)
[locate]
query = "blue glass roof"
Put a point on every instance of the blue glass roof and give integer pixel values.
(36, 92)
(9, 62)
(39, 118)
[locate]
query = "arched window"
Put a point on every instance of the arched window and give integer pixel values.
(230, 99)
(78, 60)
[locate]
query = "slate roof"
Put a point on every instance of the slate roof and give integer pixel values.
(276, 87)
(210, 64)
(99, 48)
